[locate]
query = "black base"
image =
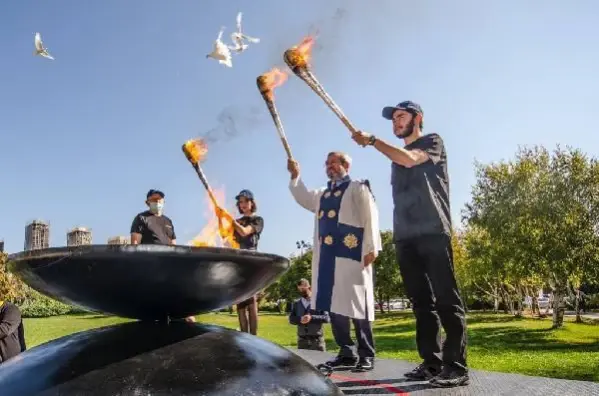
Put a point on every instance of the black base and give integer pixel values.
(144, 358)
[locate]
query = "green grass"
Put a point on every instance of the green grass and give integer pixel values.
(496, 342)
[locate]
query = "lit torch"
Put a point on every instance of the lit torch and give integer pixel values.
(195, 150)
(267, 82)
(297, 58)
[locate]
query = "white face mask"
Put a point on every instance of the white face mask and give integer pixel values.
(156, 207)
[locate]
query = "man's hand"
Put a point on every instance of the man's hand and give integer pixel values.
(362, 138)
(306, 319)
(369, 259)
(293, 168)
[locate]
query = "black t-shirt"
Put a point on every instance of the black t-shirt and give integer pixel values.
(251, 241)
(154, 230)
(421, 193)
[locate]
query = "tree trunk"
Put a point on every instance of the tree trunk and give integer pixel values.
(388, 305)
(496, 304)
(380, 302)
(535, 305)
(558, 307)
(577, 307)
(506, 303)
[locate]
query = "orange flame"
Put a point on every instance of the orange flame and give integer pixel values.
(271, 80)
(219, 231)
(299, 55)
(195, 150)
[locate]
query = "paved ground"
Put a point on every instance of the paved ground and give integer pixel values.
(387, 379)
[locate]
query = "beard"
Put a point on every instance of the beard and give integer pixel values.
(407, 131)
(333, 175)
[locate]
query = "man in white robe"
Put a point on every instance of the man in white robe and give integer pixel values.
(346, 242)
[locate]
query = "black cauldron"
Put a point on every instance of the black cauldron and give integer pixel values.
(160, 354)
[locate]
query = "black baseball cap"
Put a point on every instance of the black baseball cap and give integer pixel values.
(152, 192)
(245, 194)
(406, 105)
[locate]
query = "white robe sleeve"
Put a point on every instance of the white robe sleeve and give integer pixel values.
(370, 218)
(308, 199)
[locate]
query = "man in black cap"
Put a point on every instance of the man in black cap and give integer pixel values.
(422, 232)
(152, 226)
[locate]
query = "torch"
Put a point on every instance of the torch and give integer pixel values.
(195, 150)
(297, 59)
(267, 82)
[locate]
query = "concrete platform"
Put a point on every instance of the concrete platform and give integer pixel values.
(387, 379)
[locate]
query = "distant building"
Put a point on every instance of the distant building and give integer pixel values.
(119, 240)
(1, 246)
(37, 235)
(79, 236)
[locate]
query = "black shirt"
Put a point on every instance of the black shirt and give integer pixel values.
(421, 193)
(12, 334)
(251, 241)
(154, 230)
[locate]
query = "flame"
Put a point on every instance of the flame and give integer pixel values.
(195, 150)
(299, 55)
(271, 80)
(219, 231)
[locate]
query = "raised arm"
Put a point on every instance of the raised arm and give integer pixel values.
(308, 199)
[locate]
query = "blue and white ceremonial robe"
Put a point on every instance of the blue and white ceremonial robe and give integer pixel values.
(346, 228)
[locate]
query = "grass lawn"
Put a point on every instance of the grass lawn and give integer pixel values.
(497, 342)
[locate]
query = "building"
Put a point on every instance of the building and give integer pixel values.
(1, 246)
(37, 235)
(119, 240)
(79, 236)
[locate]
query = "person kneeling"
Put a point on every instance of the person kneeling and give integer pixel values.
(308, 321)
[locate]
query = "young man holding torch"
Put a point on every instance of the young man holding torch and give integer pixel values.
(346, 242)
(422, 232)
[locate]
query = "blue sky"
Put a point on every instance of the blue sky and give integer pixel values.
(84, 137)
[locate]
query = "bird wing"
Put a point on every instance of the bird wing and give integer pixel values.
(38, 42)
(220, 34)
(47, 55)
(239, 22)
(254, 40)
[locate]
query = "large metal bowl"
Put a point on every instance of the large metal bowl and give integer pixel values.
(148, 282)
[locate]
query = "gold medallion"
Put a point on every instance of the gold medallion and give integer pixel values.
(328, 240)
(351, 241)
(331, 214)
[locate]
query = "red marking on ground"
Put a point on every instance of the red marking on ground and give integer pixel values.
(365, 382)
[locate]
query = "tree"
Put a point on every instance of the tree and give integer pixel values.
(387, 280)
(540, 216)
(11, 288)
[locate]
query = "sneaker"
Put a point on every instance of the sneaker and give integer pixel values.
(364, 364)
(450, 377)
(342, 361)
(423, 372)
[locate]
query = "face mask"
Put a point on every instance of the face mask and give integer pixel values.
(156, 207)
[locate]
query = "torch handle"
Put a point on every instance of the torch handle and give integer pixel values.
(205, 183)
(314, 84)
(279, 125)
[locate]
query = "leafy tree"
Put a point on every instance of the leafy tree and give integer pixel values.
(387, 280)
(539, 216)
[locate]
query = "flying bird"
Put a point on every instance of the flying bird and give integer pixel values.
(238, 38)
(221, 52)
(40, 49)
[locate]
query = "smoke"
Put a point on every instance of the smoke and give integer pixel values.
(234, 120)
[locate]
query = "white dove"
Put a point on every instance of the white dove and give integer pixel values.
(221, 52)
(238, 37)
(39, 47)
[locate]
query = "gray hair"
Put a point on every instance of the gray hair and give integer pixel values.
(345, 158)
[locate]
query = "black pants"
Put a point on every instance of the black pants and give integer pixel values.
(315, 343)
(426, 266)
(342, 332)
